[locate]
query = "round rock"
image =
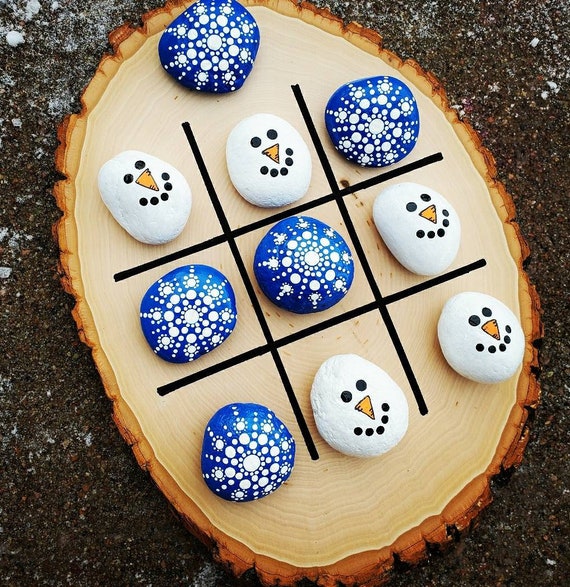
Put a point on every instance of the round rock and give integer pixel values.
(268, 161)
(480, 337)
(373, 121)
(303, 265)
(358, 409)
(247, 452)
(188, 312)
(211, 46)
(148, 197)
(419, 226)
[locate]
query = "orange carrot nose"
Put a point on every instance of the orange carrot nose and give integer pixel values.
(365, 406)
(272, 152)
(147, 180)
(429, 214)
(492, 329)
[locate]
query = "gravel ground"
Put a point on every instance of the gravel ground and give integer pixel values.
(74, 506)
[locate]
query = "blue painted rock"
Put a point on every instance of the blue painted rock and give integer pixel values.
(268, 161)
(211, 46)
(247, 452)
(480, 337)
(419, 226)
(373, 121)
(303, 265)
(358, 408)
(148, 197)
(188, 312)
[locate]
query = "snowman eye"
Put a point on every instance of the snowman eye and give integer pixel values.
(361, 385)
(346, 396)
(425, 197)
(474, 320)
(411, 206)
(486, 312)
(139, 164)
(128, 178)
(255, 142)
(272, 134)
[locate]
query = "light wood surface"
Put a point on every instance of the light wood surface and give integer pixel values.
(337, 518)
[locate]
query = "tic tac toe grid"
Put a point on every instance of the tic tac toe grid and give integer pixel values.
(272, 345)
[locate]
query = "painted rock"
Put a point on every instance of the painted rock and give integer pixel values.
(268, 161)
(211, 46)
(188, 312)
(303, 265)
(148, 197)
(480, 337)
(359, 410)
(373, 121)
(247, 452)
(419, 226)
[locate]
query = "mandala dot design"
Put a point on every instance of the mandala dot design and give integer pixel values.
(303, 265)
(188, 313)
(211, 46)
(373, 121)
(247, 452)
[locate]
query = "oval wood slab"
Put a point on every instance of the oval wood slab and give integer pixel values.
(337, 518)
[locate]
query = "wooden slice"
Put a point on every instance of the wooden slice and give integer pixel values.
(337, 518)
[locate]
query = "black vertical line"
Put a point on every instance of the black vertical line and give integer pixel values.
(250, 291)
(360, 251)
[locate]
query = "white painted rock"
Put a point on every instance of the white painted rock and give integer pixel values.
(148, 197)
(480, 337)
(268, 161)
(419, 226)
(359, 410)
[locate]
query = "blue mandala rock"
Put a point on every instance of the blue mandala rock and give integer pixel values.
(373, 121)
(211, 46)
(247, 452)
(188, 312)
(303, 265)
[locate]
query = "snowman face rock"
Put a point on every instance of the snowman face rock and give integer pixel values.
(419, 226)
(148, 197)
(359, 410)
(268, 161)
(480, 337)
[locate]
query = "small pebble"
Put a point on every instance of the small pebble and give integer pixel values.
(247, 452)
(211, 46)
(373, 121)
(188, 312)
(148, 197)
(14, 38)
(303, 265)
(419, 226)
(268, 161)
(480, 337)
(358, 409)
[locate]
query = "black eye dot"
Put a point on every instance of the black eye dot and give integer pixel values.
(441, 232)
(358, 431)
(445, 223)
(167, 186)
(411, 206)
(380, 430)
(165, 176)
(492, 349)
(289, 151)
(139, 164)
(143, 201)
(385, 407)
(507, 339)
(361, 385)
(271, 134)
(420, 234)
(486, 312)
(474, 320)
(264, 170)
(164, 197)
(369, 431)
(274, 173)
(255, 142)
(154, 200)
(128, 178)
(288, 161)
(284, 171)
(346, 396)
(508, 328)
(425, 197)
(431, 234)
(480, 348)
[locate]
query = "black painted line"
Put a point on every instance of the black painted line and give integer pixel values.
(250, 289)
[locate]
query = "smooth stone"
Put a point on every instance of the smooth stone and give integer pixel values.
(247, 452)
(480, 337)
(188, 312)
(373, 121)
(358, 408)
(211, 46)
(303, 265)
(268, 161)
(419, 226)
(148, 197)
